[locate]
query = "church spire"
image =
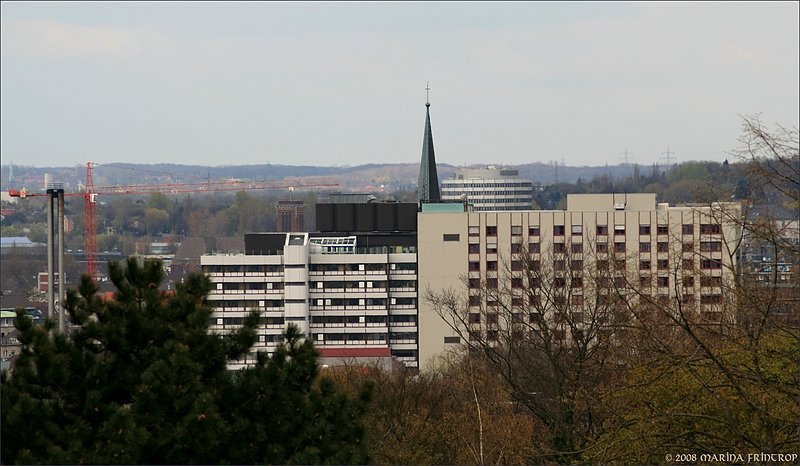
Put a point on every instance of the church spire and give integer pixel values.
(428, 185)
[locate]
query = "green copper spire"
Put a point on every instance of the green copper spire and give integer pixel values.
(428, 185)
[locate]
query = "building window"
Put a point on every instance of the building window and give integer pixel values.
(644, 229)
(492, 335)
(711, 264)
(688, 282)
(577, 229)
(491, 248)
(577, 282)
(710, 229)
(710, 281)
(474, 231)
(516, 266)
(663, 264)
(450, 340)
(474, 266)
(619, 264)
(492, 318)
(711, 246)
(516, 248)
(619, 247)
(602, 229)
(517, 301)
(662, 246)
(474, 301)
(491, 283)
(602, 265)
(491, 231)
(687, 264)
(687, 229)
(491, 266)
(558, 230)
(534, 248)
(663, 281)
(662, 229)
(559, 282)
(644, 265)
(687, 247)
(577, 248)
(602, 247)
(451, 237)
(559, 265)
(474, 318)
(644, 247)
(533, 231)
(516, 230)
(576, 264)
(710, 299)
(474, 248)
(474, 283)
(644, 282)
(559, 248)
(535, 266)
(577, 300)
(516, 282)
(619, 230)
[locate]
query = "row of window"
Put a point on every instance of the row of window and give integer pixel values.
(602, 230)
(352, 302)
(362, 267)
(577, 248)
(364, 337)
(447, 185)
(535, 301)
(602, 282)
(394, 319)
(238, 321)
(250, 286)
(351, 320)
(259, 269)
(602, 264)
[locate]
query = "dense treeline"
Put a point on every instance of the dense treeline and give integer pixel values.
(120, 220)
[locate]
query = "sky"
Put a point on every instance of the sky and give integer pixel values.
(343, 83)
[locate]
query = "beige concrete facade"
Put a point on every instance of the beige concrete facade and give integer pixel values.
(687, 251)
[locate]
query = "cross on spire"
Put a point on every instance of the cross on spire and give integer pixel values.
(427, 93)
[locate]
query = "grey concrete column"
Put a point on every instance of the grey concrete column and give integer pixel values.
(50, 239)
(61, 277)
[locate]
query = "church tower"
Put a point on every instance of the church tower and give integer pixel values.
(428, 185)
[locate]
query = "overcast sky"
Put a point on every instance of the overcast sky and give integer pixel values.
(344, 83)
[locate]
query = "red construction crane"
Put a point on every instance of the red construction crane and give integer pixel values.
(91, 192)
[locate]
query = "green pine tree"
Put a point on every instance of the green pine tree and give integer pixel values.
(142, 381)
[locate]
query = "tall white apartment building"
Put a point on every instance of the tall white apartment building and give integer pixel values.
(683, 251)
(353, 293)
(489, 189)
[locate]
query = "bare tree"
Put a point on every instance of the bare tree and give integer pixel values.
(551, 326)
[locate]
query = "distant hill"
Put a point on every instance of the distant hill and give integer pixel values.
(357, 177)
